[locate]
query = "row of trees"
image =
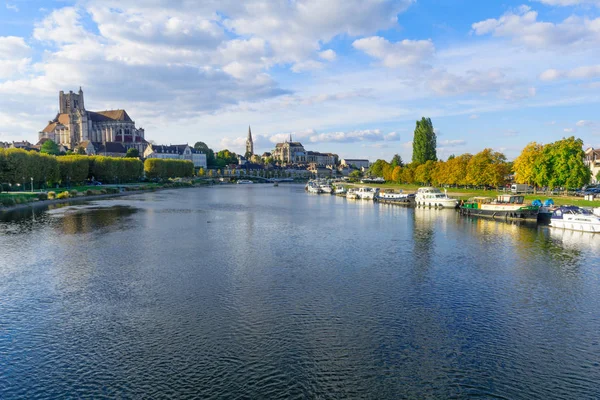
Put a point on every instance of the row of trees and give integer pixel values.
(554, 165)
(486, 168)
(18, 166)
(557, 164)
(163, 169)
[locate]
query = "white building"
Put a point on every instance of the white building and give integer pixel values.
(592, 161)
(176, 152)
(358, 163)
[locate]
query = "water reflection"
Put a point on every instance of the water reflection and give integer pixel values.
(76, 220)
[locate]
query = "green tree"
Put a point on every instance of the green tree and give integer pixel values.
(356, 174)
(81, 151)
(203, 148)
(132, 153)
(561, 165)
(50, 147)
(376, 168)
(397, 161)
(424, 142)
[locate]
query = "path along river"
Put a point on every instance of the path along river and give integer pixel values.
(256, 291)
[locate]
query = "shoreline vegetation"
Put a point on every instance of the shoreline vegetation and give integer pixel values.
(23, 200)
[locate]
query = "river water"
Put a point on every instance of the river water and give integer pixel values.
(257, 291)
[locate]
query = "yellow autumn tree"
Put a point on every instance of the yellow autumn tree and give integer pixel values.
(524, 165)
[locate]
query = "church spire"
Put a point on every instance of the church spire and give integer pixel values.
(249, 143)
(290, 138)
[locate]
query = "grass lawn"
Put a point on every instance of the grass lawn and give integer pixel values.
(464, 194)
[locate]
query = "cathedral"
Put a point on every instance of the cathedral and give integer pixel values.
(74, 126)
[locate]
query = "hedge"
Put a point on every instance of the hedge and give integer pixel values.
(165, 168)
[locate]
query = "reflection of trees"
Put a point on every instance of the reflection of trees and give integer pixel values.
(91, 219)
(423, 241)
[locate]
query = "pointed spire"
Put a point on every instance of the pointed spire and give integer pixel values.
(290, 138)
(249, 133)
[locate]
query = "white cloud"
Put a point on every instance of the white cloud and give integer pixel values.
(309, 65)
(406, 53)
(328, 55)
(473, 116)
(452, 143)
(583, 122)
(14, 56)
(569, 130)
(585, 72)
(12, 7)
(522, 27)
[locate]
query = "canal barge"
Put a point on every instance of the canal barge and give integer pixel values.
(503, 207)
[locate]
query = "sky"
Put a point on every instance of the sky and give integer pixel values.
(343, 76)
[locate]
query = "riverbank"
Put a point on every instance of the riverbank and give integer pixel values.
(465, 194)
(82, 197)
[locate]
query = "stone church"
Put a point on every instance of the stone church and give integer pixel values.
(74, 127)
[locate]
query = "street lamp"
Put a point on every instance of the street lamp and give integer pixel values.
(32, 184)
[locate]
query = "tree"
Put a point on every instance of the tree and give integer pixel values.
(81, 151)
(356, 174)
(424, 142)
(487, 168)
(524, 165)
(423, 172)
(203, 148)
(376, 168)
(50, 147)
(226, 157)
(561, 165)
(132, 153)
(397, 161)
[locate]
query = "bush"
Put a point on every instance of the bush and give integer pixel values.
(89, 192)
(63, 195)
(51, 195)
(7, 201)
(73, 193)
(43, 196)
(157, 168)
(103, 191)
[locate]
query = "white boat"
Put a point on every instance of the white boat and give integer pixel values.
(326, 188)
(575, 218)
(340, 190)
(244, 182)
(433, 197)
(313, 187)
(391, 195)
(366, 193)
(352, 194)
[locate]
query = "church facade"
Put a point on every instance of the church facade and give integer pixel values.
(74, 125)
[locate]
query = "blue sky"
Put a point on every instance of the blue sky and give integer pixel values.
(347, 76)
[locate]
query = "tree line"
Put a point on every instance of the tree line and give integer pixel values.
(18, 167)
(559, 164)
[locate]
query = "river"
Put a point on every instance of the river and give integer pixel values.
(254, 291)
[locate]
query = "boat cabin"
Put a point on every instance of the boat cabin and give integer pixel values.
(509, 199)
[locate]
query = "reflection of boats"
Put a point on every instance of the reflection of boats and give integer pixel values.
(392, 197)
(575, 218)
(352, 194)
(576, 240)
(505, 206)
(366, 193)
(244, 182)
(433, 197)
(276, 184)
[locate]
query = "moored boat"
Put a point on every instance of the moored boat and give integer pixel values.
(545, 209)
(366, 193)
(340, 190)
(352, 193)
(433, 197)
(313, 187)
(575, 218)
(244, 182)
(505, 206)
(389, 196)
